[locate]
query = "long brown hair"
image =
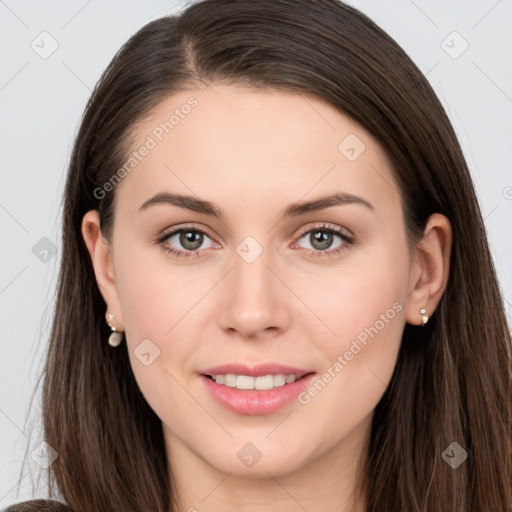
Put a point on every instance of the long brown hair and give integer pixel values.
(452, 381)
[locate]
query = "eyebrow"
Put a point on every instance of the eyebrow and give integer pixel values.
(293, 210)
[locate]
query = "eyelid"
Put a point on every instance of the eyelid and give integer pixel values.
(328, 227)
(166, 233)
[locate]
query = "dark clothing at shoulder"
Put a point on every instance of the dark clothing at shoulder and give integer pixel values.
(38, 506)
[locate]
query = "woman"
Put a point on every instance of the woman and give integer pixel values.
(368, 370)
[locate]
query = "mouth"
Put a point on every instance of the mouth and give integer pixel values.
(260, 383)
(256, 395)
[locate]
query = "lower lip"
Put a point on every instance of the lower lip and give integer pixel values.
(252, 401)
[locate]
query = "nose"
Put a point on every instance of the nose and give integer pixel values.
(255, 300)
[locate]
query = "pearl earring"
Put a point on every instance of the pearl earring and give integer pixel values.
(423, 313)
(115, 337)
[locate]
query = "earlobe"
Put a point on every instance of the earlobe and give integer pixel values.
(430, 270)
(100, 254)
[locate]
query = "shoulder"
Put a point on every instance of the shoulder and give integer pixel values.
(38, 506)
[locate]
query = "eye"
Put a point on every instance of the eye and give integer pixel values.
(321, 240)
(190, 239)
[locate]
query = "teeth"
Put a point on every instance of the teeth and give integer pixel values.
(229, 380)
(259, 383)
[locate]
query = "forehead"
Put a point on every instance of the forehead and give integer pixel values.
(240, 145)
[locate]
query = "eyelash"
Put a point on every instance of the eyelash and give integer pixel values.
(347, 239)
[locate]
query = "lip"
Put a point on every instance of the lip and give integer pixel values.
(257, 370)
(252, 401)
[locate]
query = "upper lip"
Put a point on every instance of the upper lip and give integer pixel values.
(256, 370)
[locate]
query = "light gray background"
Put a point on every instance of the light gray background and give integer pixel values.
(41, 101)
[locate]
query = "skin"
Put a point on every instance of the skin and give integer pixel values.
(254, 152)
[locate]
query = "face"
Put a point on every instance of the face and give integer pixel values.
(266, 283)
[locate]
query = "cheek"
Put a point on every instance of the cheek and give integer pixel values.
(160, 305)
(366, 315)
(154, 295)
(361, 300)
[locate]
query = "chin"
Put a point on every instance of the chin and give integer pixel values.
(251, 461)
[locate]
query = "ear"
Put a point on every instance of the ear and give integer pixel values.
(430, 269)
(101, 258)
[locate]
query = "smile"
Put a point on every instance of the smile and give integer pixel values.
(258, 383)
(248, 395)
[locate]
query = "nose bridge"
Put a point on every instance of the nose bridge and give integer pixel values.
(254, 300)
